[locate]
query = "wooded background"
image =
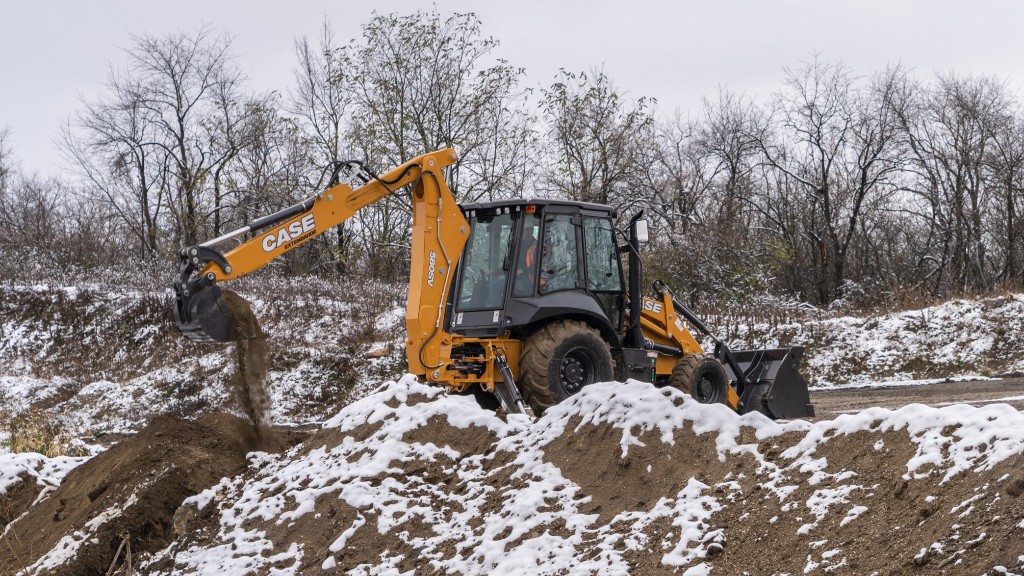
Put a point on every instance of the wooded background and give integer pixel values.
(837, 190)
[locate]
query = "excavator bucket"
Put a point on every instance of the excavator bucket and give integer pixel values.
(200, 312)
(775, 387)
(203, 315)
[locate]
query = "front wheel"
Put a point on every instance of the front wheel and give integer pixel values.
(559, 360)
(702, 377)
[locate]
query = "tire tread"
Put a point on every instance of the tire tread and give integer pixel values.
(536, 358)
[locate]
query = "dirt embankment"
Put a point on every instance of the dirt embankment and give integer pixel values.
(126, 497)
(430, 486)
(432, 483)
(129, 491)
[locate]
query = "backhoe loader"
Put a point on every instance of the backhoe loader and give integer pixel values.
(522, 302)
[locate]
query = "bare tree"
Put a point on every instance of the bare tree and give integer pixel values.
(600, 142)
(271, 171)
(681, 177)
(322, 102)
(420, 83)
(1006, 162)
(156, 146)
(950, 130)
(182, 76)
(5, 160)
(721, 245)
(228, 126)
(727, 136)
(834, 145)
(110, 143)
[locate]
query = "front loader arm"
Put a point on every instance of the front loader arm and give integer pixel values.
(438, 236)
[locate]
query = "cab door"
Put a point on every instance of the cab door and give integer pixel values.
(603, 268)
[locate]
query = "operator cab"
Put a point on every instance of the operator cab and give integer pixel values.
(527, 261)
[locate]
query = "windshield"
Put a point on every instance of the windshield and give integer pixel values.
(485, 266)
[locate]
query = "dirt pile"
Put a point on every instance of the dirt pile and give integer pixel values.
(637, 481)
(858, 514)
(249, 383)
(130, 492)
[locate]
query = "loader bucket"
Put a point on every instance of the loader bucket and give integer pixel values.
(201, 314)
(775, 387)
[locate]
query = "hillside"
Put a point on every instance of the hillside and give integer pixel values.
(377, 474)
(107, 361)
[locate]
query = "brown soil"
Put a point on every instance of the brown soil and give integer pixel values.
(17, 499)
(593, 459)
(249, 383)
(903, 517)
(132, 491)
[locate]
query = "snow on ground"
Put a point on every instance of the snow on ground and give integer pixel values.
(415, 477)
(47, 472)
(107, 361)
(19, 392)
(409, 470)
(964, 338)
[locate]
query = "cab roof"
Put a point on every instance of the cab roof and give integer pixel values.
(539, 202)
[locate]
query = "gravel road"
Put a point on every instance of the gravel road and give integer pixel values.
(829, 403)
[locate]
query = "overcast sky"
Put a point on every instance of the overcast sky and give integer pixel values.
(55, 51)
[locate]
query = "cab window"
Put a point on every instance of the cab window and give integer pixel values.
(558, 263)
(486, 263)
(529, 257)
(604, 276)
(602, 256)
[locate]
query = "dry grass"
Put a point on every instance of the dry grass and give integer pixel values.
(45, 433)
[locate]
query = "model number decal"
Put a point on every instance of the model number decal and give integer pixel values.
(652, 306)
(431, 260)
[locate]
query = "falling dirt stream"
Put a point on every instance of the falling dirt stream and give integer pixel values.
(249, 384)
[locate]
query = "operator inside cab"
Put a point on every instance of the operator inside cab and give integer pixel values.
(549, 264)
(526, 275)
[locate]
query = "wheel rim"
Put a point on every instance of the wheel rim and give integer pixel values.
(576, 369)
(706, 390)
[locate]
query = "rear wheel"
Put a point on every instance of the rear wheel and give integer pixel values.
(559, 360)
(702, 377)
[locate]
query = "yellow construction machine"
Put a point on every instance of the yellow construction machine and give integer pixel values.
(522, 302)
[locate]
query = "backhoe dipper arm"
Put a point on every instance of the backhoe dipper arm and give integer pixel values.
(439, 233)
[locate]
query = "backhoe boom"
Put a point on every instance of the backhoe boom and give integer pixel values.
(438, 236)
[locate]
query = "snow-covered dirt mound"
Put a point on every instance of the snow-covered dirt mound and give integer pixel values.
(620, 479)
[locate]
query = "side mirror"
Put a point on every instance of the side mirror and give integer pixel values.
(641, 231)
